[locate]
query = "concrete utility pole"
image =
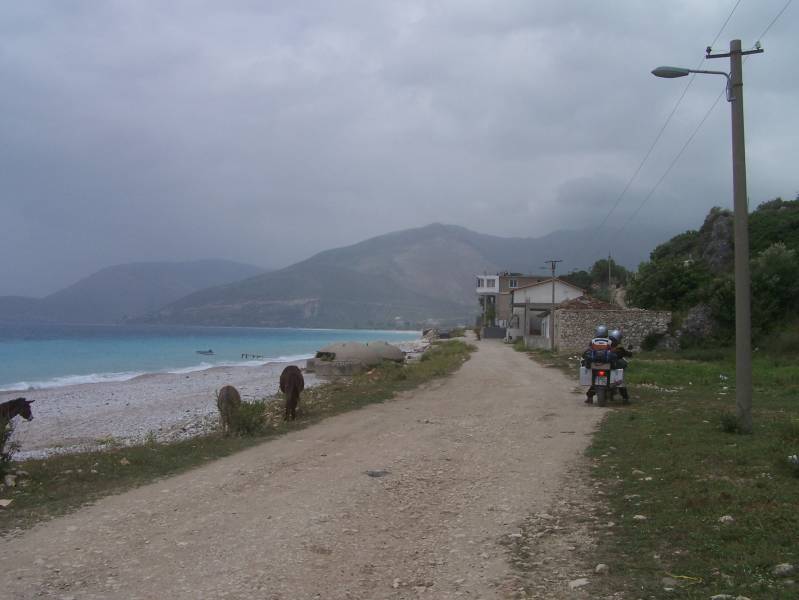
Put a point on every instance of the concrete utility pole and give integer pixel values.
(743, 306)
(552, 264)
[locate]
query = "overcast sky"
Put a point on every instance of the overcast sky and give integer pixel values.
(264, 132)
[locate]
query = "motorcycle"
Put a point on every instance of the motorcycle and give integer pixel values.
(598, 370)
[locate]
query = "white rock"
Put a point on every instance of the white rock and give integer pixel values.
(578, 583)
(10, 480)
(638, 472)
(783, 570)
(722, 597)
(640, 518)
(601, 569)
(726, 520)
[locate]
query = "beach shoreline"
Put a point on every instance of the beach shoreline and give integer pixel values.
(160, 406)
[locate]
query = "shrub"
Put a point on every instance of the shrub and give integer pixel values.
(250, 418)
(729, 423)
(650, 342)
(7, 447)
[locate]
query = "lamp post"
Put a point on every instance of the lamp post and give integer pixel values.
(743, 320)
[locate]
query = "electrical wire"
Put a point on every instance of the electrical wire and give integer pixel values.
(665, 124)
(671, 165)
(774, 20)
(696, 130)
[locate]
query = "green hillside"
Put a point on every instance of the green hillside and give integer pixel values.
(693, 272)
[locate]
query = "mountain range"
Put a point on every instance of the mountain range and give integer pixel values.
(397, 279)
(401, 279)
(124, 291)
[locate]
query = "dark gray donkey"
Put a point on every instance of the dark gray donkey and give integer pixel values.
(291, 384)
(18, 406)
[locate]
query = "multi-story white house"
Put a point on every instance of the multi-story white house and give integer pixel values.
(494, 295)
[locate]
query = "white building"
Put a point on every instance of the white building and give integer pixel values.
(494, 295)
(531, 310)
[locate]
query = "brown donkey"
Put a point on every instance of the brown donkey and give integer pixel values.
(291, 384)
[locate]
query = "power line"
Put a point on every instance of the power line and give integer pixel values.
(696, 130)
(774, 20)
(671, 165)
(663, 127)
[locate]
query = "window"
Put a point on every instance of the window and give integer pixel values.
(491, 282)
(479, 282)
(514, 283)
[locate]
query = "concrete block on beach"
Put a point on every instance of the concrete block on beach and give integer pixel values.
(349, 358)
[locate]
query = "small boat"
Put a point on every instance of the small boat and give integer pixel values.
(208, 352)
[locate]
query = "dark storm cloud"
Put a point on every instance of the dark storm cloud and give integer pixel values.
(265, 132)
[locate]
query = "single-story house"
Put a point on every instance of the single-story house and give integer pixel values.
(531, 307)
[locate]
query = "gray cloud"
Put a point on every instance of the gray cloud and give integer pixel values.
(265, 132)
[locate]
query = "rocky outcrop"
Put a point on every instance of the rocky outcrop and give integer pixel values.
(715, 240)
(698, 323)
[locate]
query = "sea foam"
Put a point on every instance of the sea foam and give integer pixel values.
(71, 380)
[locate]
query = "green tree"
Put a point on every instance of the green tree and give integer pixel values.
(599, 273)
(670, 284)
(581, 279)
(682, 246)
(775, 287)
(774, 221)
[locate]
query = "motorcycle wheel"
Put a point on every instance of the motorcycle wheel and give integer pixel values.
(601, 396)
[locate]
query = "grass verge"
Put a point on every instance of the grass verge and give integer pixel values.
(699, 509)
(59, 484)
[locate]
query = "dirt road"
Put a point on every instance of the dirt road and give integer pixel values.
(466, 459)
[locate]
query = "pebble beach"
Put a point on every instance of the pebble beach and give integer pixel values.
(160, 406)
(163, 406)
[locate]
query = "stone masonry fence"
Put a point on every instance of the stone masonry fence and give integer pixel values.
(574, 328)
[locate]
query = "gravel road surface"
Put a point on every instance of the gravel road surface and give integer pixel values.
(412, 498)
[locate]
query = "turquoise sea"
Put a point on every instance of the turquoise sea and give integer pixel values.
(36, 355)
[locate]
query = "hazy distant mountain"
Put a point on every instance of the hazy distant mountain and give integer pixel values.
(407, 276)
(125, 291)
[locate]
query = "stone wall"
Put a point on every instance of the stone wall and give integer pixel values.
(575, 328)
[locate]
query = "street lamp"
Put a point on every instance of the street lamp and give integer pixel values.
(743, 320)
(673, 72)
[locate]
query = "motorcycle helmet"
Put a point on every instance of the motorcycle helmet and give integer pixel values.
(615, 335)
(601, 331)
